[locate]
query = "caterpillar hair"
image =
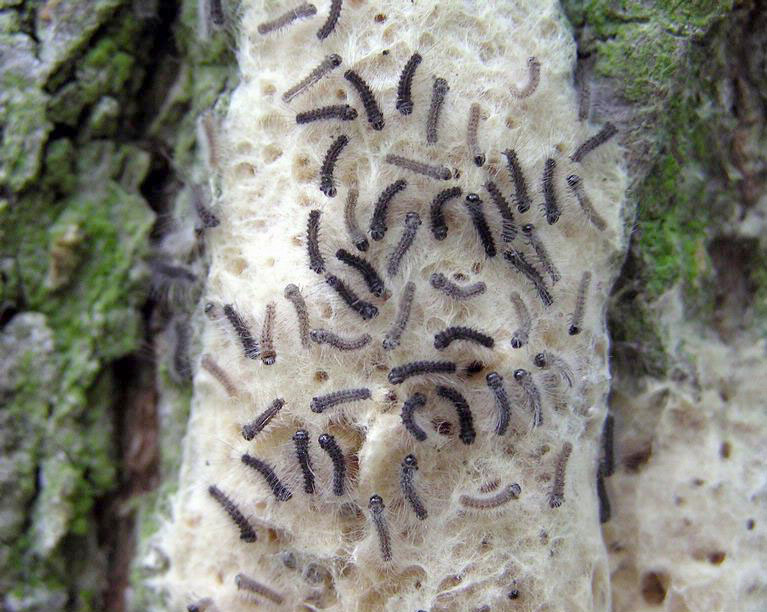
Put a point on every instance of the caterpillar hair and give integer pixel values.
(557, 496)
(465, 418)
(320, 403)
(249, 345)
(543, 256)
(438, 223)
(330, 446)
(376, 507)
(444, 338)
(378, 221)
(534, 77)
(509, 229)
(302, 11)
(208, 219)
(344, 112)
(323, 69)
(520, 183)
(399, 374)
(404, 97)
(549, 195)
(471, 135)
(268, 354)
(486, 503)
(350, 220)
(438, 93)
(547, 359)
(576, 186)
(392, 338)
(373, 111)
(281, 492)
(333, 15)
(576, 320)
(327, 182)
(216, 371)
(323, 336)
(244, 583)
(247, 533)
(607, 464)
(252, 429)
(301, 441)
(412, 223)
(604, 500)
(525, 380)
(521, 335)
(440, 282)
(417, 400)
(517, 259)
(316, 261)
(490, 486)
(181, 365)
(202, 605)
(601, 137)
(293, 295)
(474, 206)
(495, 383)
(410, 465)
(372, 280)
(439, 173)
(364, 309)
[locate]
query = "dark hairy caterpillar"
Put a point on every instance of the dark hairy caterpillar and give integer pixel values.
(251, 430)
(330, 24)
(604, 500)
(504, 496)
(326, 65)
(301, 442)
(373, 111)
(442, 283)
(316, 261)
(281, 492)
(495, 383)
(465, 418)
(344, 112)
(509, 229)
(471, 135)
(439, 173)
(181, 364)
(534, 77)
(601, 137)
(576, 320)
(438, 93)
(521, 335)
(576, 186)
(409, 466)
(303, 10)
(444, 338)
(404, 97)
(607, 464)
(323, 336)
(549, 195)
(364, 309)
(372, 279)
(520, 184)
(247, 533)
(547, 359)
(216, 12)
(525, 380)
(356, 235)
(202, 605)
(209, 220)
(327, 182)
(474, 206)
(330, 446)
(417, 400)
(376, 507)
(378, 221)
(517, 259)
(412, 223)
(245, 583)
(320, 403)
(249, 345)
(540, 250)
(399, 374)
(268, 354)
(438, 224)
(392, 339)
(293, 294)
(208, 364)
(557, 496)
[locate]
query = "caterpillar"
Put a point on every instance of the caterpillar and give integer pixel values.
(547, 359)
(376, 507)
(392, 338)
(316, 261)
(486, 503)
(281, 492)
(438, 224)
(350, 220)
(207, 135)
(540, 250)
(417, 400)
(412, 223)
(520, 184)
(576, 186)
(378, 226)
(251, 430)
(372, 280)
(517, 259)
(293, 294)
(444, 338)
(410, 465)
(245, 583)
(320, 403)
(557, 496)
(181, 364)
(247, 533)
(364, 309)
(332, 20)
(249, 345)
(373, 111)
(207, 217)
(301, 442)
(471, 135)
(576, 320)
(525, 380)
(509, 229)
(438, 93)
(323, 336)
(495, 383)
(215, 370)
(465, 418)
(399, 374)
(439, 173)
(534, 77)
(474, 206)
(216, 12)
(608, 461)
(202, 605)
(404, 102)
(323, 69)
(604, 500)
(302, 11)
(440, 282)
(602, 136)
(549, 195)
(268, 354)
(521, 335)
(344, 112)
(330, 446)
(327, 182)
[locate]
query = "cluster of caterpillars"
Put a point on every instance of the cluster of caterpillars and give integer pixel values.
(523, 246)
